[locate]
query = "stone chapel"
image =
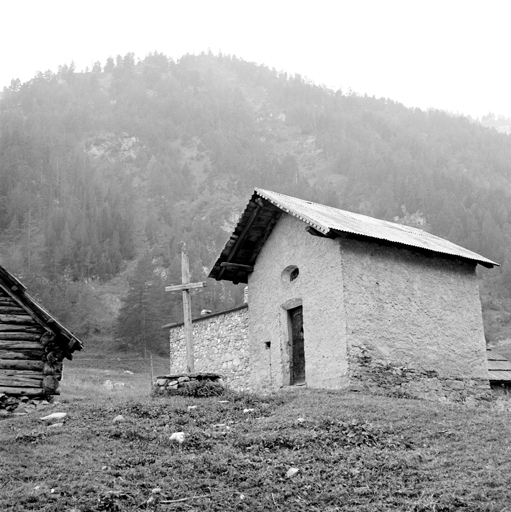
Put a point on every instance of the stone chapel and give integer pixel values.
(341, 300)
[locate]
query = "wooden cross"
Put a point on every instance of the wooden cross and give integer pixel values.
(185, 287)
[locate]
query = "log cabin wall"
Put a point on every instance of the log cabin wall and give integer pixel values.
(30, 359)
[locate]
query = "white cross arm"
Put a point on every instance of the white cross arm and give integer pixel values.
(185, 286)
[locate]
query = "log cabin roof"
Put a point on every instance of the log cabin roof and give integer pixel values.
(499, 367)
(264, 208)
(17, 291)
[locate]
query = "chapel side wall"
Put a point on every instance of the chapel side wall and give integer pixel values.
(414, 322)
(220, 346)
(319, 287)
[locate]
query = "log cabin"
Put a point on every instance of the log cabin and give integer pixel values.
(33, 344)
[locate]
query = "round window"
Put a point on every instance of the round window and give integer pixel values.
(290, 273)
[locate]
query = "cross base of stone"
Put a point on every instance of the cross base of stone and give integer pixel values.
(189, 384)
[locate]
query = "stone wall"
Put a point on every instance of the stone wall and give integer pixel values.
(318, 288)
(414, 323)
(220, 346)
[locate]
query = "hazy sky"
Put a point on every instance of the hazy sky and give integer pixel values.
(449, 54)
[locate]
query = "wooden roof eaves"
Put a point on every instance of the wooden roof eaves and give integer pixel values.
(268, 214)
(499, 376)
(16, 290)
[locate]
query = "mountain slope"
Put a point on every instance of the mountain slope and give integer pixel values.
(135, 158)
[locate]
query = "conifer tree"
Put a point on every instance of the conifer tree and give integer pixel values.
(141, 317)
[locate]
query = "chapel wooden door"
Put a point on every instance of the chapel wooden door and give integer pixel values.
(297, 346)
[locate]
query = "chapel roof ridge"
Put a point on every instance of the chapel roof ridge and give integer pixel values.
(327, 218)
(265, 208)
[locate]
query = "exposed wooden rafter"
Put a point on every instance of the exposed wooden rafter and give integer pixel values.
(242, 236)
(237, 266)
(314, 232)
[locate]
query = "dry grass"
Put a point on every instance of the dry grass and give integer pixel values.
(353, 452)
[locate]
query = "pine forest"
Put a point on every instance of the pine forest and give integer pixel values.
(107, 172)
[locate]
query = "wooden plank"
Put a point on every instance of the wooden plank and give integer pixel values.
(17, 319)
(31, 354)
(187, 313)
(13, 391)
(11, 311)
(34, 317)
(22, 373)
(23, 382)
(499, 365)
(15, 364)
(27, 336)
(262, 239)
(237, 266)
(20, 345)
(20, 328)
(5, 299)
(242, 236)
(498, 375)
(13, 305)
(185, 286)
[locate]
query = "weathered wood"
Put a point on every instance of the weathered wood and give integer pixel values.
(50, 384)
(27, 336)
(22, 373)
(315, 232)
(20, 328)
(242, 236)
(185, 286)
(238, 266)
(263, 238)
(47, 338)
(35, 355)
(8, 303)
(11, 310)
(187, 311)
(19, 344)
(52, 369)
(51, 357)
(9, 390)
(34, 317)
(17, 319)
(15, 364)
(24, 382)
(10, 281)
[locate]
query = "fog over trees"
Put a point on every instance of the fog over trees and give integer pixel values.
(105, 173)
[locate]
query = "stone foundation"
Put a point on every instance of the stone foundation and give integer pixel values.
(21, 404)
(185, 384)
(392, 378)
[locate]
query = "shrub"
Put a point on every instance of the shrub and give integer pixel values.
(202, 389)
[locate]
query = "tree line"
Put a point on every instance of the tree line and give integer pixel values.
(126, 161)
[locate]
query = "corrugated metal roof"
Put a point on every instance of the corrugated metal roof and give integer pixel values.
(327, 220)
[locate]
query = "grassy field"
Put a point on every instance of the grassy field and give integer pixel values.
(352, 452)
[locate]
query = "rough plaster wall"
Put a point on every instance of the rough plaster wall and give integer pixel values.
(320, 288)
(220, 346)
(417, 317)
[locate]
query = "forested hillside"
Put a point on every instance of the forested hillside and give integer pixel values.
(105, 173)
